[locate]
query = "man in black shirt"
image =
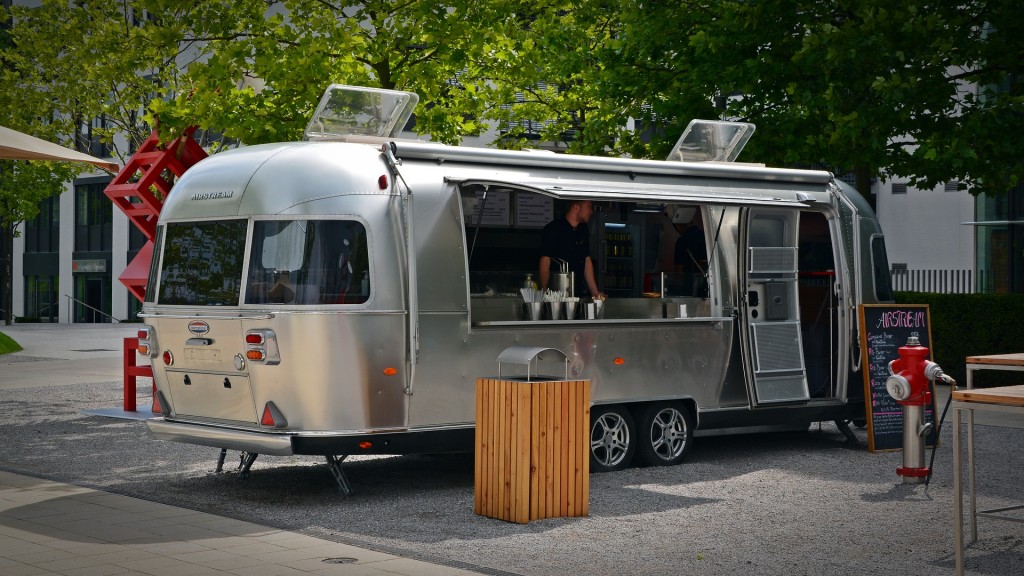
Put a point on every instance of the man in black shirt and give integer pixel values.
(568, 239)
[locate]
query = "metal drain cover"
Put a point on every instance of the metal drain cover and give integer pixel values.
(340, 560)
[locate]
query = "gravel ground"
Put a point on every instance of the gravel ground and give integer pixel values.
(784, 503)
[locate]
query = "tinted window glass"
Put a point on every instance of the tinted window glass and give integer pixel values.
(767, 232)
(202, 263)
(308, 262)
(880, 270)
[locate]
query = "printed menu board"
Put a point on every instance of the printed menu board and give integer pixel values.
(883, 329)
(496, 209)
(534, 210)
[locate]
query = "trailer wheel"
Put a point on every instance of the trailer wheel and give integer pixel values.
(666, 434)
(612, 438)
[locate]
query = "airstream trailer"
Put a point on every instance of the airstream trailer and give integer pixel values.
(341, 295)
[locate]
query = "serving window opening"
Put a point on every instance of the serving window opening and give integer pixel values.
(650, 259)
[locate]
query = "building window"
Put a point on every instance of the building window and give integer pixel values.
(900, 188)
(94, 219)
(42, 233)
(953, 186)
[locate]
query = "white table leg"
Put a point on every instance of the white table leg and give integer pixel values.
(971, 487)
(958, 497)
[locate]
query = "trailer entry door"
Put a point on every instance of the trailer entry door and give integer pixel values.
(773, 351)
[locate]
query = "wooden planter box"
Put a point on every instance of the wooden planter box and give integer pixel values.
(532, 449)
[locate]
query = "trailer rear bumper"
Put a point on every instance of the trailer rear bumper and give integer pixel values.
(216, 437)
(456, 438)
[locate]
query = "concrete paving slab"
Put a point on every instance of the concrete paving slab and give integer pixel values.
(52, 528)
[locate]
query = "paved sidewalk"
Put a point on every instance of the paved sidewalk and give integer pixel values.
(52, 528)
(57, 354)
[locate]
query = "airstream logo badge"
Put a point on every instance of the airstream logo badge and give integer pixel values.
(198, 327)
(213, 195)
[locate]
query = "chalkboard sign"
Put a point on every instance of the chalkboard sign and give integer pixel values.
(883, 329)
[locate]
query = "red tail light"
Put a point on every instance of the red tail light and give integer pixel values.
(268, 417)
(272, 417)
(261, 346)
(168, 357)
(147, 341)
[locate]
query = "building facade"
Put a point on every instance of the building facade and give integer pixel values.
(68, 258)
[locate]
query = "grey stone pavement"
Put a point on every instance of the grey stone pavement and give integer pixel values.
(49, 527)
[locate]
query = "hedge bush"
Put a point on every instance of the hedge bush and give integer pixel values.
(970, 325)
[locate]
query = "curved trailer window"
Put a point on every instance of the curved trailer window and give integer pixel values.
(202, 263)
(308, 262)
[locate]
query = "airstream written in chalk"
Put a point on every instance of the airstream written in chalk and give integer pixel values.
(340, 295)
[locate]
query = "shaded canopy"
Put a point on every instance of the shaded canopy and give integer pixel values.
(16, 145)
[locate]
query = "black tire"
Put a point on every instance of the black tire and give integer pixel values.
(666, 434)
(612, 438)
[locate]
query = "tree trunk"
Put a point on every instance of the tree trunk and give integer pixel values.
(8, 274)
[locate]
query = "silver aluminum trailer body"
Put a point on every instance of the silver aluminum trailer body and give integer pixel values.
(388, 364)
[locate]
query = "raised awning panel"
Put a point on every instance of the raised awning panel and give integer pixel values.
(463, 155)
(726, 192)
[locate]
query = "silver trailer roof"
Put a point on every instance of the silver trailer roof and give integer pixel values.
(276, 179)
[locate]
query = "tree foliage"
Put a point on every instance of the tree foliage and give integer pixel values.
(902, 88)
(923, 89)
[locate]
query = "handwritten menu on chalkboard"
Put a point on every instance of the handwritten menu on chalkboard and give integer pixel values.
(883, 329)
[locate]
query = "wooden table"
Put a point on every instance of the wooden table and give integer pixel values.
(1002, 399)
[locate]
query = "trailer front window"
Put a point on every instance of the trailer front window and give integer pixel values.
(308, 262)
(202, 263)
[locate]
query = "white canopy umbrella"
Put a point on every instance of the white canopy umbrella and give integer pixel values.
(16, 145)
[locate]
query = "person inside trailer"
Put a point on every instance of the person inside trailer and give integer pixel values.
(691, 251)
(566, 239)
(341, 276)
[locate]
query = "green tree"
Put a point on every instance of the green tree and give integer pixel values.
(922, 89)
(68, 64)
(290, 54)
(868, 86)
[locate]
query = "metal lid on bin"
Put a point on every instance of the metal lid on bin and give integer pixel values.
(526, 355)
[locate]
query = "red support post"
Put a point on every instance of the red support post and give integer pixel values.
(132, 371)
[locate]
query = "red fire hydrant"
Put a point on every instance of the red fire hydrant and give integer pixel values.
(908, 385)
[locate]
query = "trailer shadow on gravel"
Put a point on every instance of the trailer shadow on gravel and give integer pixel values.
(429, 498)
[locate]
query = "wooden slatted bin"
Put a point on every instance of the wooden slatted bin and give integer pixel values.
(532, 452)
